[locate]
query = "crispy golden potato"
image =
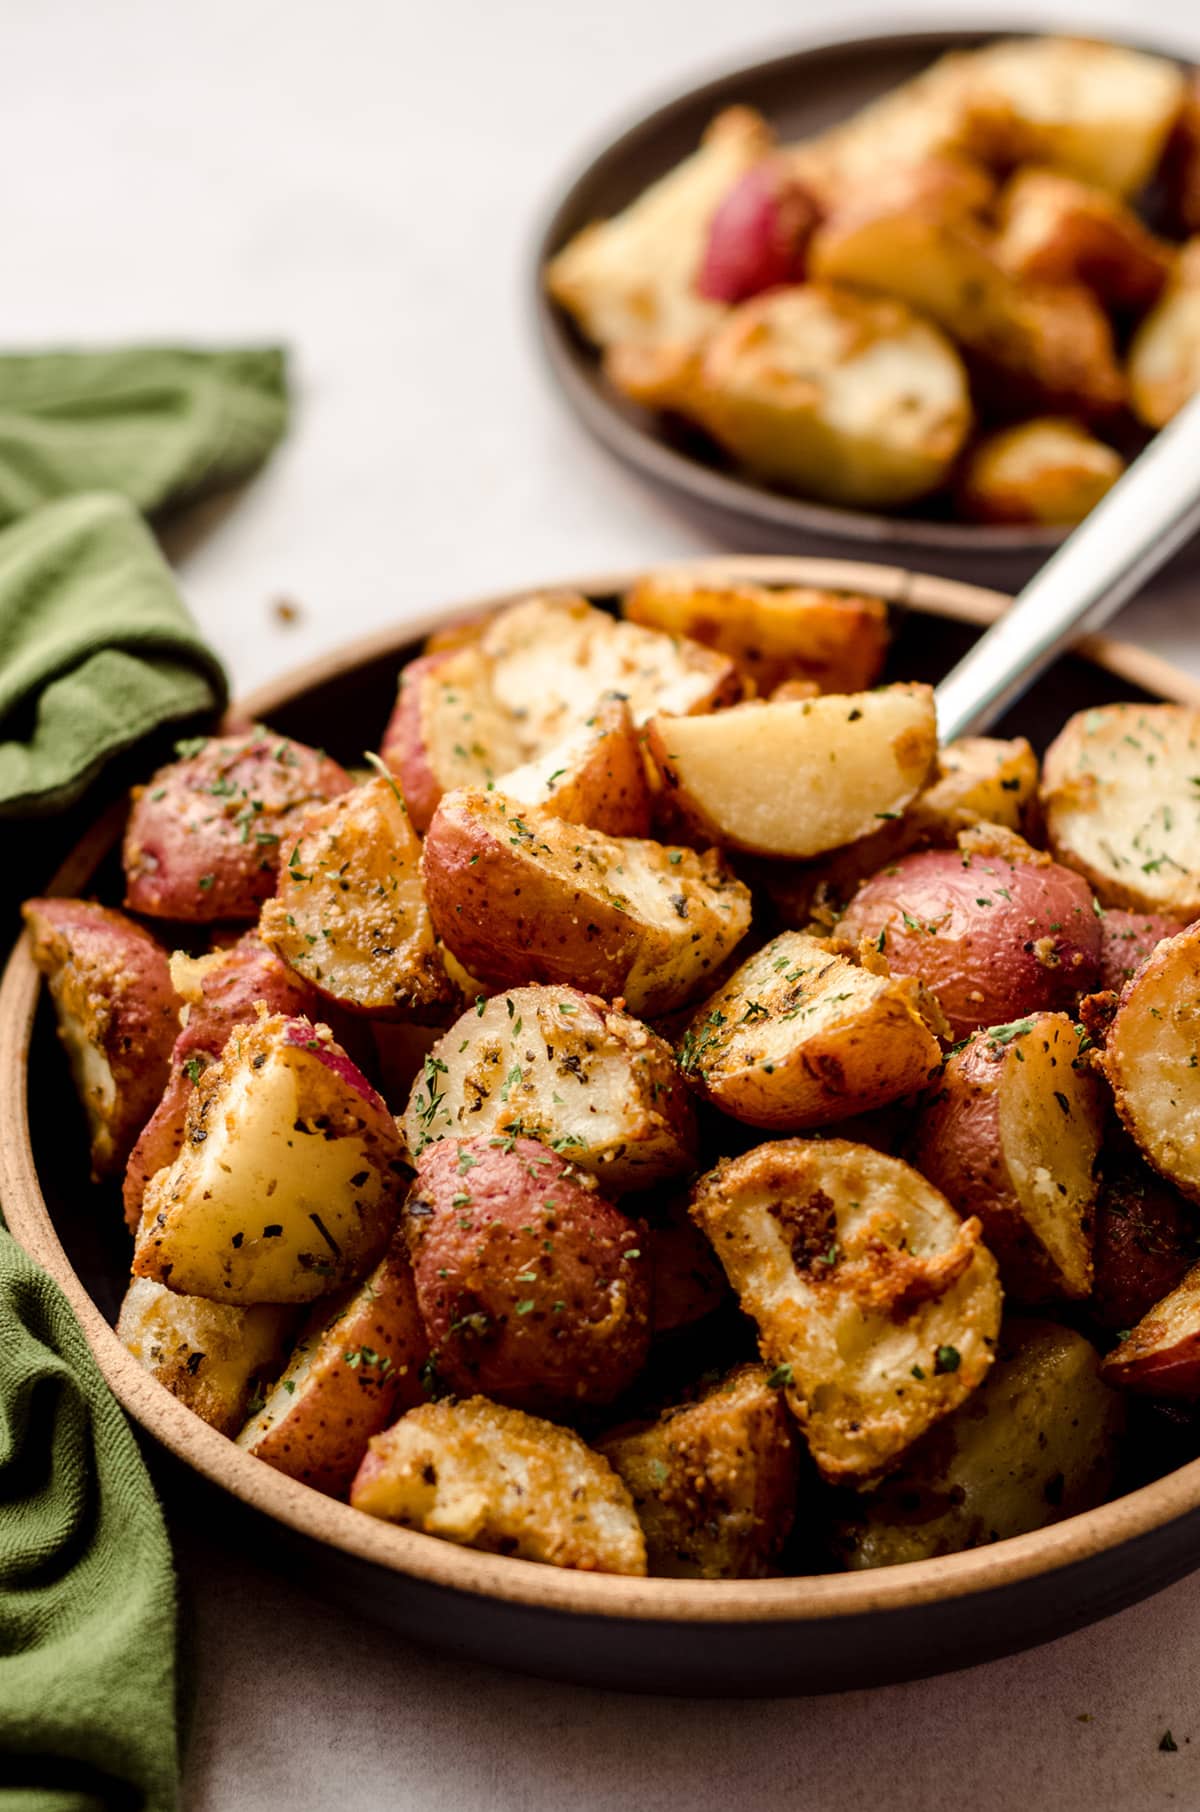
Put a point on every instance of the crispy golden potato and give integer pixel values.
(1164, 356)
(1048, 470)
(800, 1037)
(521, 897)
(800, 777)
(567, 1069)
(1151, 1058)
(1055, 229)
(1012, 1135)
(877, 1304)
(1037, 1442)
(1160, 1357)
(498, 1479)
(776, 635)
(211, 1355)
(594, 775)
(288, 1182)
(447, 730)
(1119, 796)
(714, 1482)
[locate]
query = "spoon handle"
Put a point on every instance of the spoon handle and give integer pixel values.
(1147, 516)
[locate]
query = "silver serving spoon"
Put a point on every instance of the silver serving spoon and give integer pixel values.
(1147, 516)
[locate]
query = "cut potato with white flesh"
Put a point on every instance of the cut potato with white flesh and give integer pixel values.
(1164, 356)
(1038, 1442)
(852, 399)
(349, 915)
(520, 897)
(288, 1182)
(571, 1072)
(776, 634)
(1012, 1136)
(495, 1478)
(1049, 470)
(879, 1306)
(800, 1037)
(631, 280)
(802, 776)
(446, 730)
(1054, 229)
(1121, 799)
(1151, 1058)
(210, 1355)
(594, 775)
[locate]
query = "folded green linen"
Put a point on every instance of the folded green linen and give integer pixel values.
(156, 423)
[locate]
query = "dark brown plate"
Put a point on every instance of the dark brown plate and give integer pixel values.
(800, 94)
(734, 1638)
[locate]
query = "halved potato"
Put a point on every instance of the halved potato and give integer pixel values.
(878, 1306)
(1161, 1355)
(799, 777)
(1164, 357)
(570, 1071)
(1151, 1058)
(522, 897)
(446, 729)
(498, 1479)
(1048, 470)
(211, 1355)
(1012, 1135)
(713, 1482)
(800, 1037)
(1056, 229)
(594, 775)
(1121, 797)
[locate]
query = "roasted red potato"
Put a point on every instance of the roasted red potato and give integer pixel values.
(758, 236)
(1161, 1355)
(1151, 1058)
(1048, 470)
(446, 730)
(1127, 940)
(118, 1016)
(1056, 229)
(211, 1355)
(1147, 1237)
(1164, 355)
(532, 1287)
(594, 775)
(688, 1282)
(206, 837)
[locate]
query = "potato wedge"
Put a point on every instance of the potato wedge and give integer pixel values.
(775, 634)
(714, 1482)
(497, 1479)
(1151, 1058)
(1164, 356)
(1055, 229)
(1012, 1135)
(877, 1305)
(1161, 1355)
(594, 775)
(1119, 795)
(800, 1037)
(446, 729)
(1048, 470)
(289, 1179)
(565, 1068)
(349, 915)
(211, 1355)
(1147, 1238)
(803, 776)
(351, 1373)
(1037, 1443)
(525, 898)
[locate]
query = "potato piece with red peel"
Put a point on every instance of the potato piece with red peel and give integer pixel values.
(995, 939)
(775, 634)
(1055, 229)
(1151, 1059)
(758, 235)
(520, 897)
(1147, 1237)
(493, 1478)
(688, 1282)
(1012, 1135)
(714, 1482)
(1164, 354)
(532, 1287)
(1050, 471)
(1128, 940)
(211, 1355)
(350, 915)
(289, 1179)
(117, 1012)
(877, 1304)
(349, 1376)
(594, 775)
(800, 777)
(1119, 797)
(1160, 1357)
(568, 1070)
(800, 1037)
(446, 730)
(207, 833)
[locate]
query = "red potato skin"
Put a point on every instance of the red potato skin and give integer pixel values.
(759, 235)
(1034, 951)
(1147, 1237)
(1129, 939)
(1160, 1357)
(207, 834)
(403, 750)
(495, 1224)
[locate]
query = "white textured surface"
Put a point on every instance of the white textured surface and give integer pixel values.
(366, 181)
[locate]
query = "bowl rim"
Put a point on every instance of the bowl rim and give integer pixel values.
(633, 439)
(428, 1559)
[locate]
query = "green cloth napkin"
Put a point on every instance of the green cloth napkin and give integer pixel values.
(87, 1599)
(156, 423)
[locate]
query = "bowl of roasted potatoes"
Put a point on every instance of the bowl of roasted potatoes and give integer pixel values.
(632, 1160)
(929, 290)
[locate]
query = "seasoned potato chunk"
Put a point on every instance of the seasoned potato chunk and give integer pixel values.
(497, 1479)
(1037, 1443)
(878, 1303)
(1164, 357)
(1160, 1357)
(1127, 939)
(594, 775)
(799, 1037)
(211, 1355)
(1055, 229)
(1119, 796)
(447, 730)
(521, 896)
(713, 1482)
(1012, 1136)
(566, 1069)
(1152, 1060)
(1048, 470)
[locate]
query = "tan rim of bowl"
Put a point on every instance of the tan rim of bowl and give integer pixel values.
(440, 1563)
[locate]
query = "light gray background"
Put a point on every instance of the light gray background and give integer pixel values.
(366, 180)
